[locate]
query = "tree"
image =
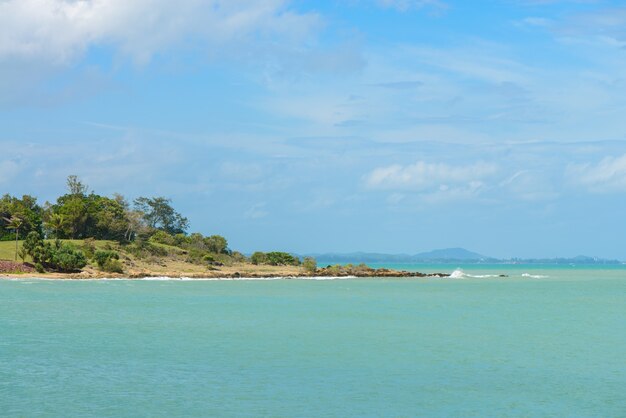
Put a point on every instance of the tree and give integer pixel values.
(56, 222)
(159, 214)
(258, 258)
(136, 225)
(15, 223)
(26, 209)
(75, 186)
(216, 244)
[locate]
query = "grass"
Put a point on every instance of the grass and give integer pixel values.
(7, 248)
(172, 264)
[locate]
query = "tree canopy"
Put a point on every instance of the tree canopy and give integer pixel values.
(159, 214)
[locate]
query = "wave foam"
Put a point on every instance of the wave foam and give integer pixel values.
(535, 276)
(460, 274)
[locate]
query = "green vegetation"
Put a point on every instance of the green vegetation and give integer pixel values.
(60, 256)
(108, 261)
(309, 264)
(83, 228)
(274, 258)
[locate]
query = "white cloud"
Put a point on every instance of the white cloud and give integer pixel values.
(59, 31)
(438, 177)
(609, 175)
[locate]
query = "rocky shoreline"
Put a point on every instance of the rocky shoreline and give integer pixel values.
(321, 273)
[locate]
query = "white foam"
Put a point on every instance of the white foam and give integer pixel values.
(535, 276)
(458, 274)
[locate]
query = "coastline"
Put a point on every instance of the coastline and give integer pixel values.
(245, 273)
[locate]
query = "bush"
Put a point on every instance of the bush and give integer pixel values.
(113, 266)
(89, 247)
(109, 261)
(68, 259)
(32, 241)
(39, 268)
(180, 240)
(277, 258)
(103, 256)
(144, 249)
(238, 257)
(309, 264)
(258, 258)
(195, 256)
(216, 244)
(162, 237)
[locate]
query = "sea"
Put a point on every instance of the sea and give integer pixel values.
(543, 341)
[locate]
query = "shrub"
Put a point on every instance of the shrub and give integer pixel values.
(238, 257)
(32, 241)
(113, 266)
(180, 240)
(277, 258)
(102, 257)
(144, 249)
(258, 258)
(68, 259)
(162, 237)
(195, 256)
(39, 268)
(89, 247)
(216, 244)
(309, 264)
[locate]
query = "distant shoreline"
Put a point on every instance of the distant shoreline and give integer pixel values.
(322, 274)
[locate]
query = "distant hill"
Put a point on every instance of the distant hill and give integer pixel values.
(435, 256)
(460, 254)
(452, 255)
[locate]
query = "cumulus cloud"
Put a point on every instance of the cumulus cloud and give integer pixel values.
(437, 177)
(62, 30)
(609, 175)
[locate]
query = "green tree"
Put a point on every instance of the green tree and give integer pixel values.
(216, 244)
(278, 258)
(159, 214)
(14, 223)
(75, 186)
(258, 258)
(56, 222)
(91, 215)
(26, 209)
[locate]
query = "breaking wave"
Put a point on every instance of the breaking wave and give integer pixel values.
(460, 274)
(535, 276)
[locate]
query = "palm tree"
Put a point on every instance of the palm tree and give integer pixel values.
(56, 222)
(15, 223)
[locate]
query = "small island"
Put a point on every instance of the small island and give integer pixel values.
(84, 235)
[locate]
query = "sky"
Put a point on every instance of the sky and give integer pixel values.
(394, 126)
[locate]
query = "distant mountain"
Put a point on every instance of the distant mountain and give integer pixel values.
(460, 254)
(450, 256)
(435, 256)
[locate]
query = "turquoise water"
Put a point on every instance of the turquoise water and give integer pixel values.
(515, 347)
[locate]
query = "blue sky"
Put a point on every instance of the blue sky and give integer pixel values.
(356, 125)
